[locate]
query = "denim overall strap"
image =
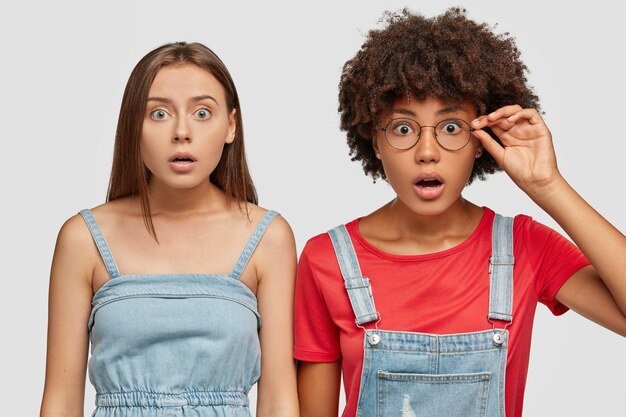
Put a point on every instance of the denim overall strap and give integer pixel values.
(258, 232)
(501, 270)
(358, 286)
(101, 243)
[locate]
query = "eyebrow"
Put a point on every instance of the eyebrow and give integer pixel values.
(195, 98)
(440, 112)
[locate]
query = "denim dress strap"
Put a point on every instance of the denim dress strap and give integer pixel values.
(501, 270)
(256, 236)
(358, 287)
(101, 243)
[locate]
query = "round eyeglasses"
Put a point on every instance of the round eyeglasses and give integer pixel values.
(450, 134)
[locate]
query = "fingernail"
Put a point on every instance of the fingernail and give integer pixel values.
(474, 122)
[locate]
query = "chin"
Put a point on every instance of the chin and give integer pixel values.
(427, 211)
(428, 208)
(183, 183)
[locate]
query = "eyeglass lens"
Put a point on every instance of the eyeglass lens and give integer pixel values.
(451, 134)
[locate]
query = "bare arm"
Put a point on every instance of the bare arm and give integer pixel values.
(277, 395)
(318, 388)
(597, 292)
(68, 313)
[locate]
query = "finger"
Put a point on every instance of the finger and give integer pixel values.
(498, 131)
(494, 148)
(531, 115)
(491, 120)
(480, 122)
(504, 112)
(500, 124)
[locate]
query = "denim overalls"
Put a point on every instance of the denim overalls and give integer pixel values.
(172, 345)
(407, 374)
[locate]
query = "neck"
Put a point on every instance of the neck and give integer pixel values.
(457, 219)
(202, 198)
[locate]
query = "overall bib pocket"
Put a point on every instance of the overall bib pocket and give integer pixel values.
(426, 395)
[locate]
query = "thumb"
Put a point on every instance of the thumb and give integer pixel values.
(494, 148)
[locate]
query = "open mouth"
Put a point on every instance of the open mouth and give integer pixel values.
(429, 186)
(182, 158)
(428, 183)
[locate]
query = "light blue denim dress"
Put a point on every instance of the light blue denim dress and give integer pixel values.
(172, 345)
(408, 374)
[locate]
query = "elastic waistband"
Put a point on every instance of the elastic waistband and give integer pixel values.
(159, 399)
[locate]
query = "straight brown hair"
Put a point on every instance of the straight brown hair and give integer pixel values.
(129, 175)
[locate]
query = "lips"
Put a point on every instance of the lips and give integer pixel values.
(182, 157)
(428, 185)
(182, 162)
(429, 182)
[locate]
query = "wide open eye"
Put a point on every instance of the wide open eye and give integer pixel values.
(453, 134)
(202, 113)
(451, 127)
(402, 127)
(159, 114)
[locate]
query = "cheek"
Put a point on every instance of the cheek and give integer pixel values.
(397, 172)
(150, 138)
(150, 151)
(464, 170)
(211, 138)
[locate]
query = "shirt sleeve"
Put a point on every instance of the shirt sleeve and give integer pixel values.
(316, 335)
(554, 259)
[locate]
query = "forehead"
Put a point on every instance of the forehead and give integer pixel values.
(181, 81)
(430, 107)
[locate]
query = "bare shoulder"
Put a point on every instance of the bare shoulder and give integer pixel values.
(74, 234)
(75, 254)
(278, 235)
(112, 212)
(75, 244)
(277, 245)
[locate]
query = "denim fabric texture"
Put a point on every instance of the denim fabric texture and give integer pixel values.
(358, 287)
(409, 374)
(172, 345)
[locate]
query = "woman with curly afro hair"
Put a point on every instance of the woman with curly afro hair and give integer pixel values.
(426, 305)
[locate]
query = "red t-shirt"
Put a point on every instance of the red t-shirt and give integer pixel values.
(440, 293)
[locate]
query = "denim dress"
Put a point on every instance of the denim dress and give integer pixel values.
(172, 345)
(410, 374)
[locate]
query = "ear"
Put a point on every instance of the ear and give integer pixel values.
(232, 127)
(479, 152)
(375, 146)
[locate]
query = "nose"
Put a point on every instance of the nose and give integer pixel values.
(181, 130)
(427, 149)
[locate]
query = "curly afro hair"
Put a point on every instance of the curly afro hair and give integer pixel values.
(448, 57)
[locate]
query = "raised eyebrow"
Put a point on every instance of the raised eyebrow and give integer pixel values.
(404, 111)
(440, 112)
(160, 99)
(195, 98)
(205, 97)
(450, 109)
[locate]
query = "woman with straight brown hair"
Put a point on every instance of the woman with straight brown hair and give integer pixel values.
(170, 277)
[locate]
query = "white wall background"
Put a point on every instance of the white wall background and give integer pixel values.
(63, 69)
